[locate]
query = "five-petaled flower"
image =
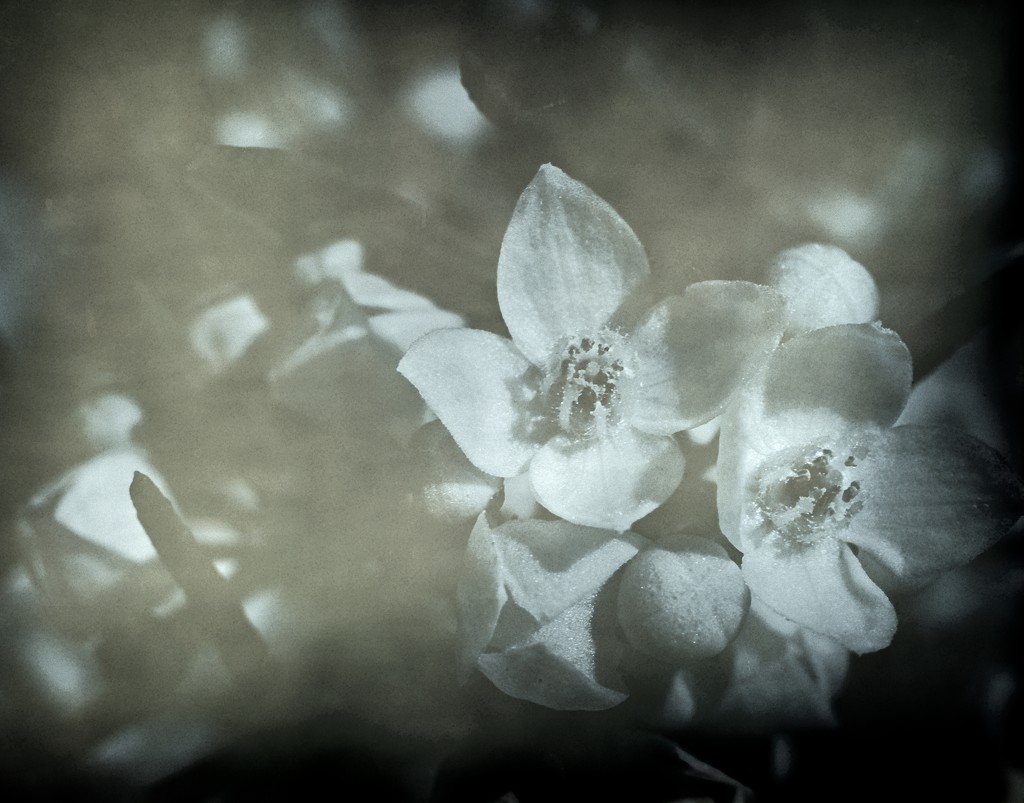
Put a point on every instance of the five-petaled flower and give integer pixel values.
(590, 390)
(832, 506)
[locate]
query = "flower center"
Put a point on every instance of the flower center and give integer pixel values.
(582, 383)
(810, 496)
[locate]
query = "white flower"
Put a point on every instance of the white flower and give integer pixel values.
(527, 619)
(588, 393)
(831, 505)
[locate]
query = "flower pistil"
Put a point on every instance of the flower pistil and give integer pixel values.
(582, 385)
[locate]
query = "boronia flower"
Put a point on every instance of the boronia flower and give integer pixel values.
(823, 286)
(530, 616)
(831, 505)
(588, 393)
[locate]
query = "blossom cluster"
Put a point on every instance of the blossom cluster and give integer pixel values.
(584, 574)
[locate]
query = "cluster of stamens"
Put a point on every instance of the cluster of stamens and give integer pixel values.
(582, 387)
(806, 499)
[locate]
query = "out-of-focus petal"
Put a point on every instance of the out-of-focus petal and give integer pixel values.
(376, 292)
(475, 382)
(560, 666)
(693, 350)
(221, 334)
(679, 707)
(108, 420)
(568, 263)
(829, 660)
(85, 582)
(549, 566)
(933, 498)
(780, 678)
(607, 482)
(962, 392)
(480, 595)
(96, 505)
(442, 107)
(684, 598)
(399, 330)
(822, 587)
(452, 487)
(334, 261)
(823, 287)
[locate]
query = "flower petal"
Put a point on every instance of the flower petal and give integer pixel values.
(682, 599)
(480, 595)
(837, 382)
(822, 587)
(549, 566)
(607, 481)
(823, 287)
(95, 504)
(562, 666)
(568, 263)
(453, 489)
(859, 373)
(475, 382)
(376, 292)
(223, 333)
(934, 498)
(693, 350)
(781, 676)
(401, 329)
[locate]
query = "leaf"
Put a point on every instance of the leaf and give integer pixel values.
(203, 586)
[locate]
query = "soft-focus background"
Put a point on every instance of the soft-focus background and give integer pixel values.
(165, 163)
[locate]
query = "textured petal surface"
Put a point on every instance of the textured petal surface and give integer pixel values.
(822, 587)
(549, 566)
(682, 599)
(606, 482)
(568, 263)
(839, 382)
(823, 287)
(857, 373)
(934, 498)
(475, 382)
(480, 595)
(693, 350)
(560, 666)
